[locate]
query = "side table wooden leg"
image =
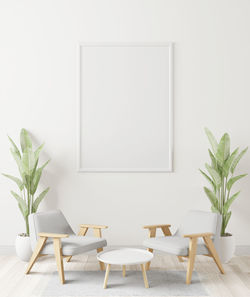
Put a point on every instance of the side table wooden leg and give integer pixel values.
(106, 276)
(144, 275)
(123, 270)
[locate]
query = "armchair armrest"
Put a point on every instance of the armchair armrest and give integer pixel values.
(93, 226)
(96, 228)
(195, 235)
(163, 227)
(156, 226)
(53, 235)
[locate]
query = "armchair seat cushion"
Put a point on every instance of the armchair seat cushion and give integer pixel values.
(74, 245)
(175, 245)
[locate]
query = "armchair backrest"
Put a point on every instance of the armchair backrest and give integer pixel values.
(50, 221)
(197, 221)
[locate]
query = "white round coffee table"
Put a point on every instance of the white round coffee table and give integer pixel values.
(125, 256)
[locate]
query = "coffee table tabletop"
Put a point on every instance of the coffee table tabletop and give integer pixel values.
(125, 256)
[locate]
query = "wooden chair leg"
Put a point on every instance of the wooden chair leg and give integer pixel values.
(42, 255)
(210, 246)
(166, 231)
(191, 258)
(123, 270)
(180, 258)
(68, 258)
(102, 265)
(147, 265)
(152, 233)
(59, 258)
(40, 244)
(98, 234)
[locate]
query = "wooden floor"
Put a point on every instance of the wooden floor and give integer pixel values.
(14, 283)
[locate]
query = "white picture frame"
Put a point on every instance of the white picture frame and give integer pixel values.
(100, 64)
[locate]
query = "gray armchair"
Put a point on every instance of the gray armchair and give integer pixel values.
(51, 234)
(197, 235)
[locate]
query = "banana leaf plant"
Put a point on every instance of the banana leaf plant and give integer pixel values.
(221, 176)
(27, 161)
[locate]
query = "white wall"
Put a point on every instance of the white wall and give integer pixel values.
(38, 91)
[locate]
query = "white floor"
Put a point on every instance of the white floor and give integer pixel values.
(235, 283)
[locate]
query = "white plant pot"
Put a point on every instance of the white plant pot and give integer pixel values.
(226, 248)
(23, 248)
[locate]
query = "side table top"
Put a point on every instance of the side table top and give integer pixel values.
(125, 256)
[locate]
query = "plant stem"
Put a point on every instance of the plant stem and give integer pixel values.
(27, 225)
(28, 200)
(220, 200)
(32, 201)
(222, 194)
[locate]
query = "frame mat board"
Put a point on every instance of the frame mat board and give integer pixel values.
(125, 107)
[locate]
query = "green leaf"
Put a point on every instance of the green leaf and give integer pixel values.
(16, 180)
(229, 202)
(22, 203)
(237, 159)
(15, 156)
(223, 150)
(34, 171)
(35, 181)
(228, 163)
(214, 174)
(27, 181)
(212, 197)
(19, 164)
(25, 140)
(213, 209)
(38, 200)
(212, 140)
(28, 161)
(228, 216)
(44, 165)
(15, 147)
(213, 160)
(233, 180)
(38, 150)
(225, 220)
(22, 211)
(209, 179)
(37, 177)
(214, 164)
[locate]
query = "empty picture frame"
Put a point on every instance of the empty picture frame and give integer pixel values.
(125, 107)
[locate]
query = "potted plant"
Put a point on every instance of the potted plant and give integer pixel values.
(221, 178)
(30, 173)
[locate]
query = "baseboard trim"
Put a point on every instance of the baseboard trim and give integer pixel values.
(10, 249)
(241, 250)
(7, 250)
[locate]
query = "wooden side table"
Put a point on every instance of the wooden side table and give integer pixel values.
(124, 257)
